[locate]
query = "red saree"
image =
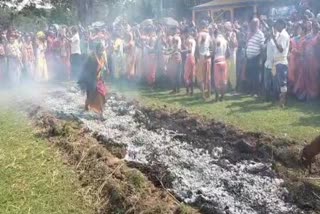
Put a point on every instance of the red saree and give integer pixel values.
(190, 69)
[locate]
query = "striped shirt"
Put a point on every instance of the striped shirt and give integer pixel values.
(255, 44)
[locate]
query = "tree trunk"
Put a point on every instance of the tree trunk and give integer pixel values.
(84, 10)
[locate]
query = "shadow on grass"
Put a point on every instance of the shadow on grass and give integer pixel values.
(309, 121)
(310, 111)
(312, 107)
(245, 105)
(182, 98)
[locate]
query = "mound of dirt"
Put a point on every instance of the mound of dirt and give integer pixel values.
(111, 185)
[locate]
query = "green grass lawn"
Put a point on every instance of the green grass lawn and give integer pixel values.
(300, 121)
(33, 178)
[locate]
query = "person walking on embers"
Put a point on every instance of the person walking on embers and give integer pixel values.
(91, 81)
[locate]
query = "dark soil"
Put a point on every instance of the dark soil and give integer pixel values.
(283, 154)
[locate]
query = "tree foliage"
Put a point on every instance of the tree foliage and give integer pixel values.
(315, 5)
(87, 11)
(90, 10)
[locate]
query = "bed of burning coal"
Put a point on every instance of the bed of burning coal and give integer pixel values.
(211, 166)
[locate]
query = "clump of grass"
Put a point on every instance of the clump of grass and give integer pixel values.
(136, 179)
(183, 209)
(117, 197)
(67, 129)
(159, 209)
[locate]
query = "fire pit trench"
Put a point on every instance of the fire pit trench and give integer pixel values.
(204, 178)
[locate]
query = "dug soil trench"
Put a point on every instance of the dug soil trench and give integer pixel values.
(209, 165)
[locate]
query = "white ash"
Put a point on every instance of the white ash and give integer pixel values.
(198, 173)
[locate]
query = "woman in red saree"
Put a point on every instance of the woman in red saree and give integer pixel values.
(2, 60)
(203, 71)
(149, 56)
(307, 86)
(313, 62)
(130, 51)
(151, 62)
(52, 54)
(65, 54)
(91, 81)
(220, 66)
(295, 59)
(28, 57)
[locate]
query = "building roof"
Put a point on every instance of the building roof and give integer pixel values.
(228, 3)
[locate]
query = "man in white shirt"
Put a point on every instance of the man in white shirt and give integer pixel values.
(282, 43)
(75, 58)
(177, 37)
(268, 75)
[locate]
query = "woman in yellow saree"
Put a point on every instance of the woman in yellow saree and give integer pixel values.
(41, 62)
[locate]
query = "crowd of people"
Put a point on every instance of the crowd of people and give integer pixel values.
(261, 57)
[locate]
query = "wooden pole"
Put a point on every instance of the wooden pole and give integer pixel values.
(255, 10)
(193, 16)
(212, 14)
(160, 9)
(232, 14)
